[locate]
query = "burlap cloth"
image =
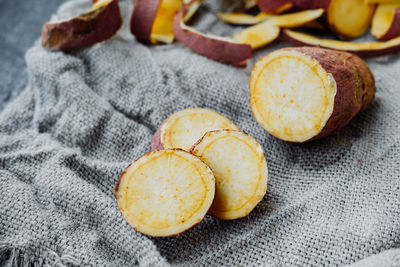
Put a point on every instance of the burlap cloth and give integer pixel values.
(87, 114)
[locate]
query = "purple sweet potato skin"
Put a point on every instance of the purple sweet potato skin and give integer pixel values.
(87, 29)
(352, 77)
(219, 50)
(156, 141)
(142, 19)
(394, 30)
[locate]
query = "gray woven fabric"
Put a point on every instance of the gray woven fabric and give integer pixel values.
(87, 114)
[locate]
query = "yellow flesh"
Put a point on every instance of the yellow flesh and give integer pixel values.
(101, 3)
(296, 19)
(383, 1)
(165, 192)
(341, 45)
(383, 19)
(162, 30)
(291, 95)
(184, 128)
(258, 35)
(241, 18)
(240, 170)
(350, 18)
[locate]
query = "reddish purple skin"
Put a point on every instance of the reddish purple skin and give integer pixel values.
(360, 53)
(142, 19)
(87, 29)
(349, 83)
(394, 29)
(156, 141)
(218, 50)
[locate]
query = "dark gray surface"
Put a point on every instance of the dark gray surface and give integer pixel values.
(21, 22)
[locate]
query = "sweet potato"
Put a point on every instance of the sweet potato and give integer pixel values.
(240, 170)
(386, 22)
(347, 18)
(97, 25)
(165, 192)
(217, 48)
(302, 94)
(183, 128)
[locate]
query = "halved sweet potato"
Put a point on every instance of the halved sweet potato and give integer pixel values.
(183, 128)
(165, 192)
(217, 48)
(386, 22)
(302, 94)
(347, 18)
(240, 170)
(97, 25)
(368, 49)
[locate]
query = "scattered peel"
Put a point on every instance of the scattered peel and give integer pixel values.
(368, 49)
(242, 18)
(296, 19)
(165, 192)
(325, 92)
(240, 170)
(217, 48)
(183, 128)
(386, 22)
(97, 25)
(258, 35)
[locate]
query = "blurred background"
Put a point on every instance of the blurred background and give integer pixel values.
(21, 25)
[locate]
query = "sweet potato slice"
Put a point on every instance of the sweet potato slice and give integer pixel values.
(386, 22)
(258, 35)
(240, 170)
(165, 192)
(183, 128)
(97, 25)
(302, 94)
(368, 49)
(242, 18)
(217, 48)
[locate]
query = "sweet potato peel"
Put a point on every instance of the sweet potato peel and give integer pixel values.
(240, 170)
(165, 192)
(97, 25)
(368, 49)
(183, 128)
(325, 92)
(142, 18)
(217, 48)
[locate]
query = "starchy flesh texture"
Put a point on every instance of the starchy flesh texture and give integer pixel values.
(165, 192)
(183, 128)
(302, 94)
(240, 170)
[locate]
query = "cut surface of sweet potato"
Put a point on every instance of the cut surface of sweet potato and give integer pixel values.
(97, 25)
(349, 18)
(165, 192)
(240, 170)
(183, 128)
(368, 49)
(386, 22)
(162, 30)
(217, 48)
(258, 35)
(302, 94)
(242, 18)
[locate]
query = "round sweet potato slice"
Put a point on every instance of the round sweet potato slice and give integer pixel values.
(185, 127)
(240, 170)
(165, 192)
(302, 94)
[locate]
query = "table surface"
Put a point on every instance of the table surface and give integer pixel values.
(22, 23)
